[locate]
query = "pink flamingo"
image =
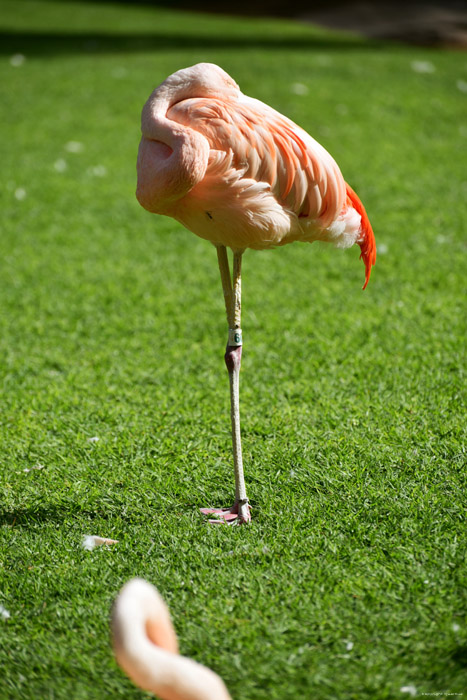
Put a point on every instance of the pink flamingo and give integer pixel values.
(145, 646)
(234, 171)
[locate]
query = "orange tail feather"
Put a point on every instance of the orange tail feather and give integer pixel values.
(367, 242)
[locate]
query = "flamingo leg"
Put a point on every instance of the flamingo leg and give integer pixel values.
(240, 511)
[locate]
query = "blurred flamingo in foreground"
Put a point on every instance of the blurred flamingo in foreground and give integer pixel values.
(145, 646)
(236, 172)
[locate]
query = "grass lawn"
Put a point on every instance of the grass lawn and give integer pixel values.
(351, 581)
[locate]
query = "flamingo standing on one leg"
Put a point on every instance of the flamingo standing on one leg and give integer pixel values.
(239, 174)
(145, 646)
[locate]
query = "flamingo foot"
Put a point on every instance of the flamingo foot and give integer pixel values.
(238, 514)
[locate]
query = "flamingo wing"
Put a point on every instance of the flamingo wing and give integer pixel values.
(266, 147)
(267, 180)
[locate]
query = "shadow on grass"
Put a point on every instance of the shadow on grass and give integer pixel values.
(459, 656)
(53, 513)
(52, 43)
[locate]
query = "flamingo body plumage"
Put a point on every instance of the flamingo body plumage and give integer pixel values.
(239, 174)
(247, 176)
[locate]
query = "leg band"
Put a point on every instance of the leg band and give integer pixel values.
(235, 337)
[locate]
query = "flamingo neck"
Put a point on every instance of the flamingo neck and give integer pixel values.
(172, 158)
(141, 622)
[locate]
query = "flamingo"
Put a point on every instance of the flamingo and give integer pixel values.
(239, 174)
(146, 648)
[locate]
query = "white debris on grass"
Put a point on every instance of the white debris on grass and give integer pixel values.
(26, 470)
(410, 689)
(60, 165)
(4, 614)
(455, 627)
(349, 646)
(20, 194)
(119, 72)
(98, 170)
(323, 59)
(17, 60)
(422, 67)
(381, 249)
(462, 85)
(93, 439)
(91, 541)
(299, 89)
(74, 147)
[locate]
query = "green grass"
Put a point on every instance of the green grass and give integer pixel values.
(112, 325)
